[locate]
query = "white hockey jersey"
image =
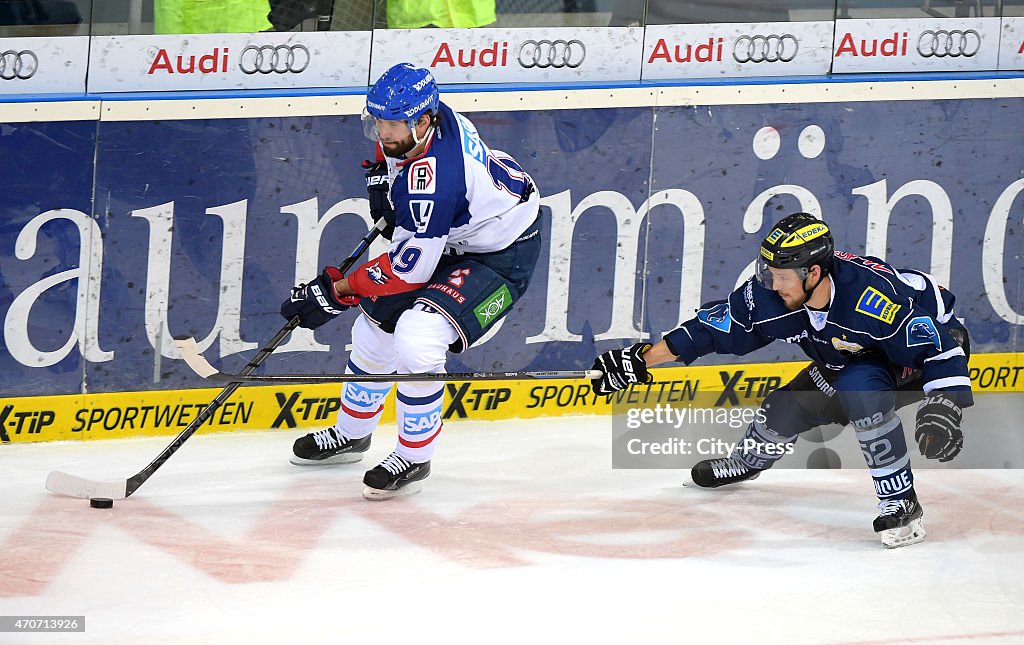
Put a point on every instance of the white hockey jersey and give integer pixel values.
(458, 196)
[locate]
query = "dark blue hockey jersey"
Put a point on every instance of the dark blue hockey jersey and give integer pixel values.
(902, 315)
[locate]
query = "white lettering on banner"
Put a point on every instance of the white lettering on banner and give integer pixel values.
(918, 44)
(630, 233)
(87, 300)
(628, 227)
(158, 279)
(993, 251)
(880, 210)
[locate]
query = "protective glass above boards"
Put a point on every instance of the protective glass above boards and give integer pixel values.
(925, 8)
(46, 18)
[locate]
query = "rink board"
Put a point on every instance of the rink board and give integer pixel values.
(213, 220)
(132, 414)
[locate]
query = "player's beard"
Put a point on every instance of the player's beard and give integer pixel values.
(399, 148)
(793, 303)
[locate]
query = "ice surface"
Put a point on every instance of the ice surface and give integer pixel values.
(522, 534)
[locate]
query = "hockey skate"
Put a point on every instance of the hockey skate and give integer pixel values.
(712, 473)
(393, 477)
(328, 446)
(899, 522)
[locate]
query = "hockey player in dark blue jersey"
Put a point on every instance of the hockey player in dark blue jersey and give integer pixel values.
(879, 338)
(465, 238)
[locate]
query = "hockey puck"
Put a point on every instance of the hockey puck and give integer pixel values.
(101, 502)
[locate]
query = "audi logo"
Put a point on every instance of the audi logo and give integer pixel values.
(274, 59)
(765, 49)
(953, 43)
(21, 65)
(552, 53)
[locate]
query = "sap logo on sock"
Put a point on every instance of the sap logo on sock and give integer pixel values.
(922, 331)
(363, 396)
(421, 423)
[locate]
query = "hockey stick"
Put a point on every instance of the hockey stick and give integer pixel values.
(74, 486)
(190, 352)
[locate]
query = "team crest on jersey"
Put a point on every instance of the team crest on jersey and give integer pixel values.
(376, 274)
(422, 175)
(875, 304)
(922, 331)
(842, 345)
(717, 317)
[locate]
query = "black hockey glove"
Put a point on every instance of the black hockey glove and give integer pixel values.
(316, 302)
(938, 432)
(378, 193)
(621, 368)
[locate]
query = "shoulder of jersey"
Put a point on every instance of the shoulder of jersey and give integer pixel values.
(866, 294)
(753, 303)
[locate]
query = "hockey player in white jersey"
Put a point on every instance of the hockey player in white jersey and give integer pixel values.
(879, 338)
(465, 238)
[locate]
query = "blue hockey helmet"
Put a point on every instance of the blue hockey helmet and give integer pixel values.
(403, 93)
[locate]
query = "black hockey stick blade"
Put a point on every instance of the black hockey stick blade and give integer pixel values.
(73, 486)
(195, 360)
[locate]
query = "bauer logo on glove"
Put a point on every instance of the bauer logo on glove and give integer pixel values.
(621, 368)
(317, 302)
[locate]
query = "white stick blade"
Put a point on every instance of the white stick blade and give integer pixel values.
(72, 486)
(193, 358)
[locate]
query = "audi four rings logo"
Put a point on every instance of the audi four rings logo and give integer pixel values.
(953, 43)
(274, 59)
(772, 48)
(21, 65)
(552, 53)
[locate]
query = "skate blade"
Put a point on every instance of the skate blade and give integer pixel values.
(343, 458)
(912, 533)
(377, 494)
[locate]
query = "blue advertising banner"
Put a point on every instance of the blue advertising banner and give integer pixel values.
(47, 233)
(200, 227)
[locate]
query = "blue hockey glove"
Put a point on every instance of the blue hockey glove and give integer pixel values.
(378, 191)
(316, 302)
